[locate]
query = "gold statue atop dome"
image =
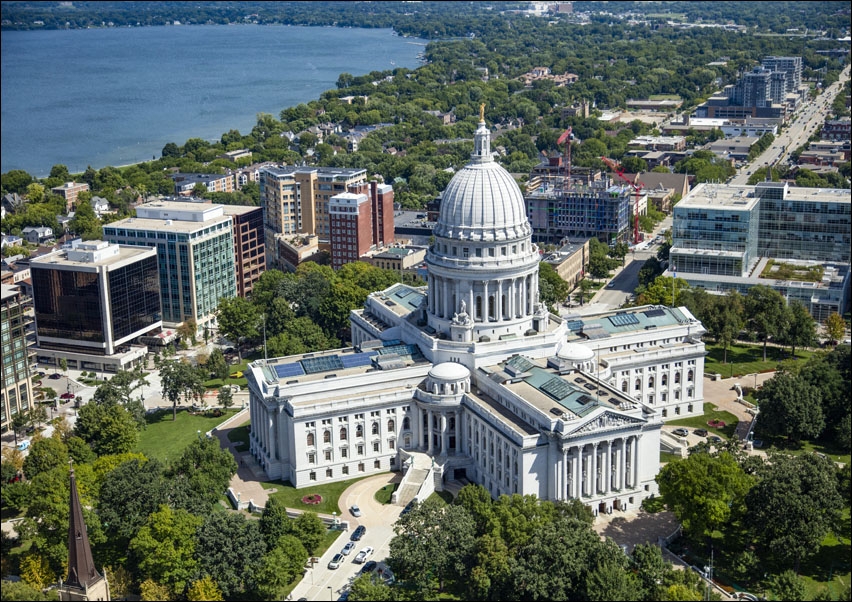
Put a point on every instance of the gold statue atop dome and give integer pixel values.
(482, 112)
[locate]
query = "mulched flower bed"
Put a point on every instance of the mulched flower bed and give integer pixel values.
(314, 498)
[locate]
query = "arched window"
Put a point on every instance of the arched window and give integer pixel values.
(624, 386)
(650, 382)
(326, 437)
(677, 378)
(390, 426)
(375, 428)
(310, 439)
(689, 376)
(665, 380)
(359, 430)
(406, 424)
(638, 384)
(343, 433)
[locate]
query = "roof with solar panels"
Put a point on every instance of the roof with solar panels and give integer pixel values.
(637, 319)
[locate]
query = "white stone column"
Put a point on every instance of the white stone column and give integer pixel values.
(636, 461)
(607, 468)
(594, 470)
(445, 436)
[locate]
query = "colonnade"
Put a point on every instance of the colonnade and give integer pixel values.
(444, 424)
(504, 299)
(599, 468)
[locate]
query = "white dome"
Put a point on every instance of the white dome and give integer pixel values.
(575, 352)
(482, 202)
(449, 371)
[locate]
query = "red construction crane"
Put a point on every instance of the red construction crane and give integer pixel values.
(567, 137)
(636, 186)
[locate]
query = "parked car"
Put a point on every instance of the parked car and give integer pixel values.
(700, 432)
(55, 376)
(355, 510)
(347, 549)
(335, 562)
(715, 438)
(362, 556)
(358, 533)
(407, 508)
(368, 567)
(23, 445)
(680, 432)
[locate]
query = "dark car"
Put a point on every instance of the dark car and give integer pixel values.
(700, 432)
(369, 566)
(407, 508)
(55, 376)
(358, 533)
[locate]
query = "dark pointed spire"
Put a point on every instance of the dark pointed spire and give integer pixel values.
(81, 566)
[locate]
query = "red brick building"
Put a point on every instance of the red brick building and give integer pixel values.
(351, 227)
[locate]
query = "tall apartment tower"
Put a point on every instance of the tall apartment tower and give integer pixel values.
(381, 208)
(93, 298)
(351, 228)
(16, 395)
(754, 89)
(84, 581)
(195, 255)
(249, 246)
(295, 200)
(791, 66)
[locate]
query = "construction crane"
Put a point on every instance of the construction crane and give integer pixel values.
(636, 186)
(566, 137)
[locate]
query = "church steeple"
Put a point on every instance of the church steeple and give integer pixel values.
(84, 582)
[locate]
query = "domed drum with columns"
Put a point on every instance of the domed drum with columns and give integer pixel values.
(483, 266)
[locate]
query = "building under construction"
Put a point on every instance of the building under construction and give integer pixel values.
(585, 208)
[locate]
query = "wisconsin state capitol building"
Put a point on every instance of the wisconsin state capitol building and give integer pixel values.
(471, 378)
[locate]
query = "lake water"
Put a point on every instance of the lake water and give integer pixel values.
(116, 96)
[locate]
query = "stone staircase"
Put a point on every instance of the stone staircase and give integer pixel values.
(414, 481)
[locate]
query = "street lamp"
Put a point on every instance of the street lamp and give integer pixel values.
(330, 593)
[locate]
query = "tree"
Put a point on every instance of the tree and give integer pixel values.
(554, 290)
(35, 192)
(164, 547)
(19, 423)
(152, 591)
(610, 580)
(170, 150)
(129, 495)
(274, 522)
(704, 491)
(310, 530)
(217, 365)
(230, 547)
(765, 310)
(45, 455)
(788, 586)
(108, 429)
(238, 318)
(835, 327)
(188, 329)
(180, 379)
(202, 472)
(80, 451)
(85, 223)
(651, 569)
(205, 588)
(801, 328)
(19, 591)
(120, 390)
(432, 546)
(790, 407)
(584, 287)
(793, 506)
(35, 572)
(280, 566)
(225, 398)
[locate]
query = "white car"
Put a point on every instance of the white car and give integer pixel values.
(356, 511)
(363, 555)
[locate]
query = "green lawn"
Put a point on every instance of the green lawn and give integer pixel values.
(830, 567)
(710, 414)
(164, 438)
(801, 447)
(746, 359)
(330, 493)
(240, 434)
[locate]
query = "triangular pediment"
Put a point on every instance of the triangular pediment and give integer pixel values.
(605, 421)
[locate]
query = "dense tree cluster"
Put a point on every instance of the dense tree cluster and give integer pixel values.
(517, 548)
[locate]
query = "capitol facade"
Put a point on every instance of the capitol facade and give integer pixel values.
(471, 378)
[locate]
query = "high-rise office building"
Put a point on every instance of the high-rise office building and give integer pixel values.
(195, 255)
(735, 237)
(93, 300)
